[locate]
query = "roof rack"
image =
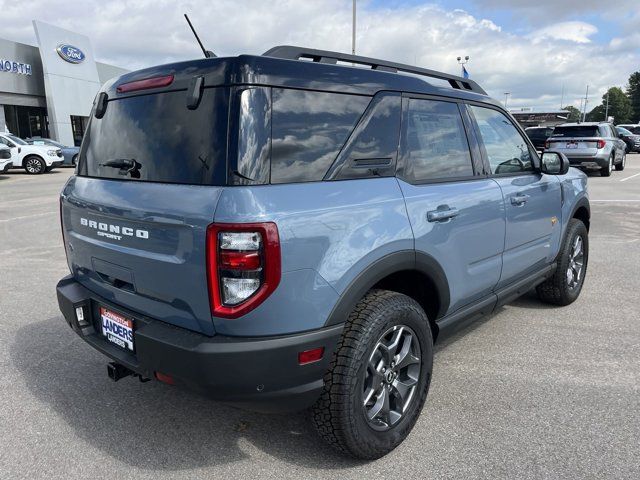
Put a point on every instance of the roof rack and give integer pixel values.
(291, 52)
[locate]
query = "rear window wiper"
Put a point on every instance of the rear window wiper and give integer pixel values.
(126, 166)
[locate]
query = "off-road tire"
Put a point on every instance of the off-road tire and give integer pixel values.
(555, 290)
(339, 415)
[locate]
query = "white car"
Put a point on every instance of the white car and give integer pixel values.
(5, 158)
(33, 158)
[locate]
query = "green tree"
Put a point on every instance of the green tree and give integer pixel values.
(597, 114)
(619, 107)
(633, 92)
(574, 113)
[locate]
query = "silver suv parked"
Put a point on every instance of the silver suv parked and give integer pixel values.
(590, 146)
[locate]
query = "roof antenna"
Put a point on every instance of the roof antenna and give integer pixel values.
(207, 53)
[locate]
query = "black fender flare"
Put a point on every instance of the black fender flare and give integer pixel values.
(383, 267)
(582, 202)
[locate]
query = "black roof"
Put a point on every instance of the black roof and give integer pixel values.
(321, 71)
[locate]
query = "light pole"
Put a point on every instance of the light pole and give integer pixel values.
(506, 97)
(586, 100)
(462, 62)
(580, 114)
(606, 110)
(353, 30)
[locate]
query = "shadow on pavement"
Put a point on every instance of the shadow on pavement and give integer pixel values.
(157, 427)
(20, 171)
(153, 426)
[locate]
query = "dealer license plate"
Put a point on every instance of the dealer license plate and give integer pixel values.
(116, 328)
(572, 145)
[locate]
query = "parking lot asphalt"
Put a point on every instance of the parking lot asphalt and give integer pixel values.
(531, 392)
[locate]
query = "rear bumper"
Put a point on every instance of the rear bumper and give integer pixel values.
(260, 373)
(594, 162)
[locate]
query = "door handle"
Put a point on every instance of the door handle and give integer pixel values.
(442, 214)
(519, 199)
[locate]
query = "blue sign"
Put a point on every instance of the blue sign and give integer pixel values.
(70, 54)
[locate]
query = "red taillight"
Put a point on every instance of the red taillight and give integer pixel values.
(145, 84)
(243, 266)
(239, 260)
(601, 144)
(310, 356)
(163, 377)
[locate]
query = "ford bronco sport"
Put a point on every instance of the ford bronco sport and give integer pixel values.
(292, 230)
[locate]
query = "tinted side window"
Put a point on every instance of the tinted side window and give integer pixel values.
(372, 147)
(506, 148)
(254, 137)
(434, 142)
(308, 131)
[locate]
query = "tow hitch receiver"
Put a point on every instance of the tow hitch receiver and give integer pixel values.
(117, 371)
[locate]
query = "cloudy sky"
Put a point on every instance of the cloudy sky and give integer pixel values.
(533, 49)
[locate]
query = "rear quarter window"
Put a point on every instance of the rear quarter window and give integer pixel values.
(308, 131)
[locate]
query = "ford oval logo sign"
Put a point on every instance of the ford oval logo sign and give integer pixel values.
(70, 54)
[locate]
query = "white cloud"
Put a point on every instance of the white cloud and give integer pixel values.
(574, 31)
(532, 67)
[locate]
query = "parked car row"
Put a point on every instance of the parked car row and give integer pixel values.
(589, 145)
(34, 155)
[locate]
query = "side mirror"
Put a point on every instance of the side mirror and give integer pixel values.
(554, 163)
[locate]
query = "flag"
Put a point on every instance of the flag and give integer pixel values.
(465, 74)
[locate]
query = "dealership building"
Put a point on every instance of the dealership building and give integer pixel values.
(48, 90)
(539, 117)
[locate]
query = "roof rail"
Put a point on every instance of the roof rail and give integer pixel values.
(324, 56)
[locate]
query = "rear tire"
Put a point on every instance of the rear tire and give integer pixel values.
(34, 165)
(622, 164)
(606, 171)
(366, 409)
(74, 160)
(565, 285)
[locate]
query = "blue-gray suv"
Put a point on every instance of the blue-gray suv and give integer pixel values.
(296, 229)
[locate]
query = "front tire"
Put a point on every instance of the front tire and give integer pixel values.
(34, 165)
(379, 377)
(622, 164)
(565, 285)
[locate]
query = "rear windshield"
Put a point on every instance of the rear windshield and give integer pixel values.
(577, 131)
(167, 141)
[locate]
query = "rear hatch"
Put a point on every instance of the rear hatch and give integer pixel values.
(577, 141)
(134, 218)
